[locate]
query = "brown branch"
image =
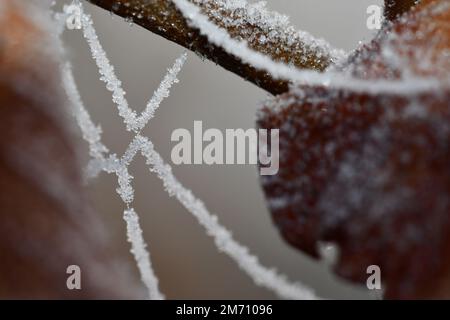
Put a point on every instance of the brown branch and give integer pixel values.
(394, 8)
(280, 43)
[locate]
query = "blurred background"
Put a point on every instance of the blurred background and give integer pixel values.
(184, 257)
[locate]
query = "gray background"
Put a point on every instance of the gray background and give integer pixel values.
(184, 257)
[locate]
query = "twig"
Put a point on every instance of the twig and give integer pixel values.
(278, 41)
(269, 35)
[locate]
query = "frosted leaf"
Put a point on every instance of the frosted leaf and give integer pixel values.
(367, 171)
(415, 45)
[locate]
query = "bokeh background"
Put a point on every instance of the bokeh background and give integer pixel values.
(184, 257)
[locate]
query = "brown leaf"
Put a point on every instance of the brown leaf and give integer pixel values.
(370, 172)
(46, 223)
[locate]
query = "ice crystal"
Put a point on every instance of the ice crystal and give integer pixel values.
(113, 84)
(138, 248)
(254, 22)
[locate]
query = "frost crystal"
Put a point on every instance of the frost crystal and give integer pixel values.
(138, 248)
(91, 133)
(113, 84)
(252, 21)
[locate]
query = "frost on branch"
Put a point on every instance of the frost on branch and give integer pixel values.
(265, 32)
(269, 33)
(333, 77)
(369, 170)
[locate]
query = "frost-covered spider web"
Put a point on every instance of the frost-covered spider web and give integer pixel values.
(103, 160)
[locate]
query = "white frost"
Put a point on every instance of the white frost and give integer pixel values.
(91, 132)
(113, 84)
(139, 250)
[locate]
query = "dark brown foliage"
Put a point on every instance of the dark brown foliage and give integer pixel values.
(46, 223)
(371, 172)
